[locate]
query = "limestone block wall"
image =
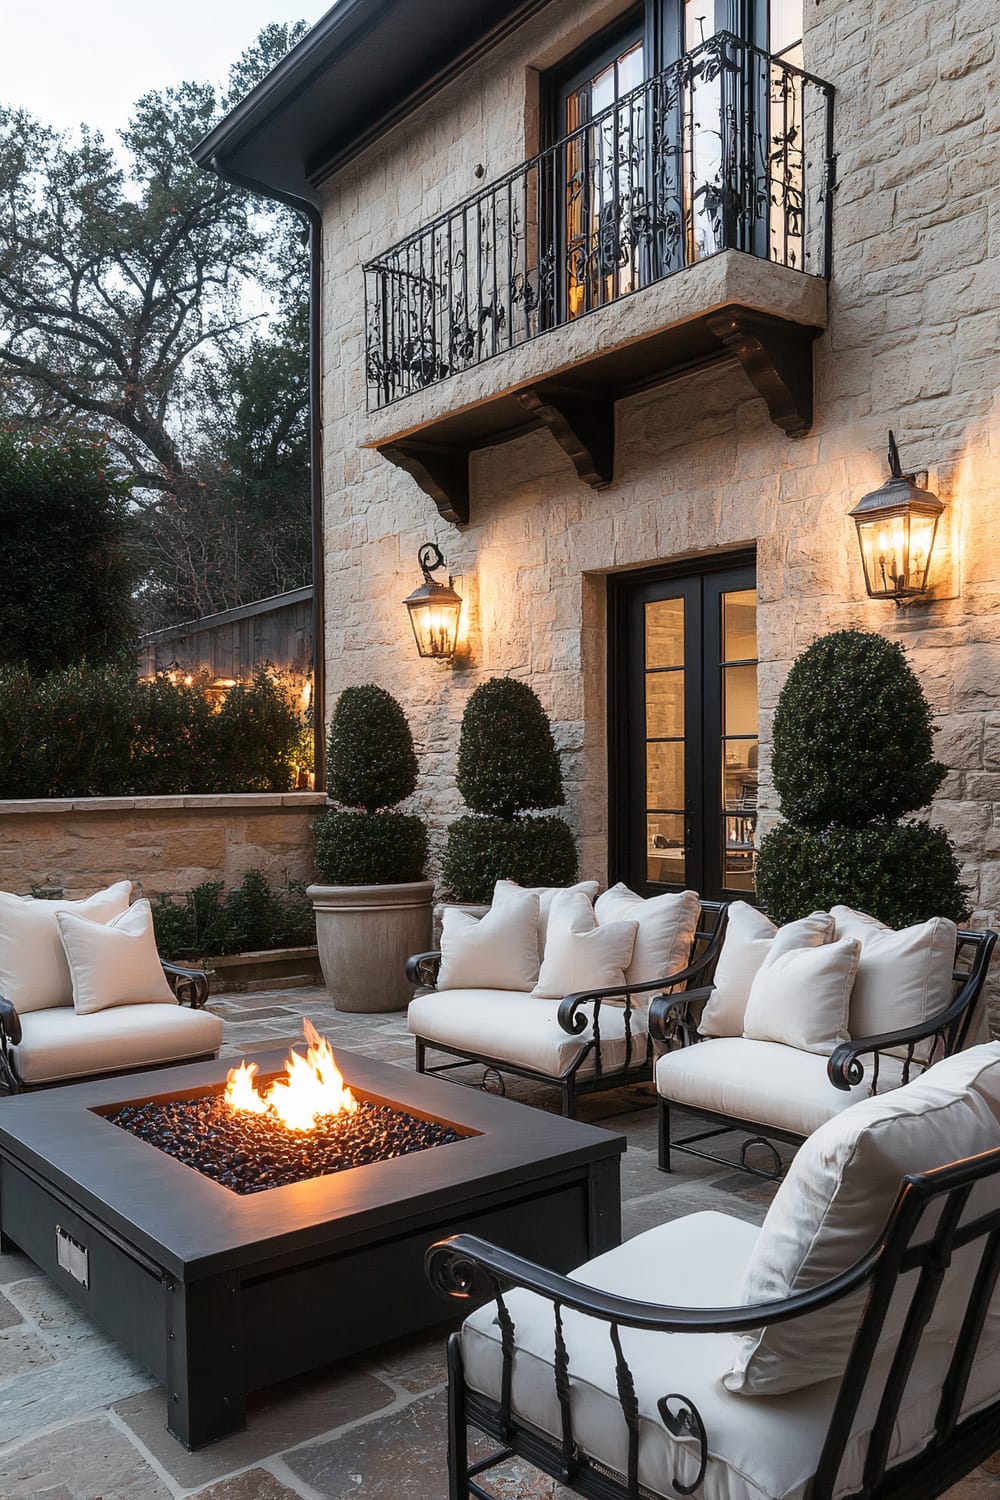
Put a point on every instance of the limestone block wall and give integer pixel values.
(160, 843)
(913, 343)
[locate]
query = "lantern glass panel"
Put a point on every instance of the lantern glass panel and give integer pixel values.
(435, 626)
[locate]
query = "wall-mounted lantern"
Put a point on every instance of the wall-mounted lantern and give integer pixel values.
(434, 608)
(897, 524)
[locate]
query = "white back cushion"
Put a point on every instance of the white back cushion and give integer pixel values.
(667, 926)
(546, 895)
(802, 997)
(33, 970)
(903, 978)
(579, 954)
(750, 937)
(495, 952)
(116, 964)
(833, 1204)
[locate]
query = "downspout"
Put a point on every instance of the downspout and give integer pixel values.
(312, 215)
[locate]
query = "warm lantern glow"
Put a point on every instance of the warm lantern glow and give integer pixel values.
(435, 609)
(313, 1086)
(897, 524)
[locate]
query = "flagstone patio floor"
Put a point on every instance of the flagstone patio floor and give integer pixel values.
(81, 1421)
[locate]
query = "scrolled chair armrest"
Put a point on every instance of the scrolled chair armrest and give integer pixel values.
(572, 1020)
(668, 1013)
(422, 968)
(190, 986)
(10, 1022)
(845, 1069)
(471, 1270)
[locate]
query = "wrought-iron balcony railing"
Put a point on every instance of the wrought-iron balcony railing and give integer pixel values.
(726, 149)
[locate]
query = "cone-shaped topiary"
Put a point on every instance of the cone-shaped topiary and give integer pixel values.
(852, 734)
(507, 758)
(371, 765)
(852, 751)
(508, 764)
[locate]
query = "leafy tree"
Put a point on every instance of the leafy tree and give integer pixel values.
(64, 525)
(124, 310)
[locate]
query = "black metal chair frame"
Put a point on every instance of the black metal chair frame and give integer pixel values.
(422, 970)
(190, 986)
(673, 1021)
(469, 1269)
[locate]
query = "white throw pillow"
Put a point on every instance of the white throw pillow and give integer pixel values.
(546, 895)
(803, 997)
(667, 926)
(750, 937)
(833, 1204)
(33, 970)
(904, 977)
(579, 954)
(116, 964)
(495, 952)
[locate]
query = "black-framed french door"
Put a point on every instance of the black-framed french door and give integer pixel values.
(682, 701)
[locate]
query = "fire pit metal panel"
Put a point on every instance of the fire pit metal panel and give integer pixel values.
(203, 1285)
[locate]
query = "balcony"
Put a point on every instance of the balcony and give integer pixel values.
(720, 168)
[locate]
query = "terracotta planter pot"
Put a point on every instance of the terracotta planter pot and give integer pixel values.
(365, 934)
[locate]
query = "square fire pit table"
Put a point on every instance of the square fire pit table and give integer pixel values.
(217, 1293)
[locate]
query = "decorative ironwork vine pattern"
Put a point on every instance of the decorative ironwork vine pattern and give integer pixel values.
(709, 155)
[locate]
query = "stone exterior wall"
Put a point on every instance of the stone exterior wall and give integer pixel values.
(912, 344)
(160, 843)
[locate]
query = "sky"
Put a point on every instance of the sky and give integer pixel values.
(73, 61)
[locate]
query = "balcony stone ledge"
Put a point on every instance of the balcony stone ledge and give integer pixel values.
(730, 306)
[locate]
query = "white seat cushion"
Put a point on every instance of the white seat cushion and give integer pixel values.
(58, 1044)
(760, 1449)
(520, 1029)
(765, 1082)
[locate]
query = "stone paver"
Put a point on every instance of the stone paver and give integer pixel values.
(80, 1421)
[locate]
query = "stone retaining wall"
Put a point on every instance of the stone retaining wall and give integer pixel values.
(161, 843)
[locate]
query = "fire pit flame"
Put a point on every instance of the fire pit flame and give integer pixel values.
(312, 1088)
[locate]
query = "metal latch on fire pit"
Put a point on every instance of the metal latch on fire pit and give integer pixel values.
(72, 1256)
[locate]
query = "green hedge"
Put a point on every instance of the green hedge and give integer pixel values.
(480, 851)
(361, 848)
(92, 731)
(210, 921)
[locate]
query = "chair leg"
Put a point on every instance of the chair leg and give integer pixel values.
(568, 1099)
(663, 1153)
(458, 1454)
(421, 1053)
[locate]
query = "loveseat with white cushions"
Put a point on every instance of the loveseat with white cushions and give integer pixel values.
(83, 992)
(849, 1347)
(554, 986)
(804, 1020)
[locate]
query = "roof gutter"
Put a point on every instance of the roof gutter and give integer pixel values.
(312, 215)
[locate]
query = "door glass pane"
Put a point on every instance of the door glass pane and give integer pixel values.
(785, 18)
(739, 626)
(665, 704)
(665, 855)
(665, 633)
(665, 774)
(739, 739)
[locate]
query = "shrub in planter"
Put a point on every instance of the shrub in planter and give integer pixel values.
(371, 765)
(375, 909)
(853, 751)
(251, 917)
(508, 765)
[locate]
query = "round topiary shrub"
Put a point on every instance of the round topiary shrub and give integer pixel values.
(852, 734)
(852, 751)
(900, 873)
(508, 765)
(483, 850)
(371, 765)
(507, 758)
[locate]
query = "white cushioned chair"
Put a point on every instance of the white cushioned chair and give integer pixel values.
(84, 993)
(777, 1091)
(580, 1042)
(849, 1347)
